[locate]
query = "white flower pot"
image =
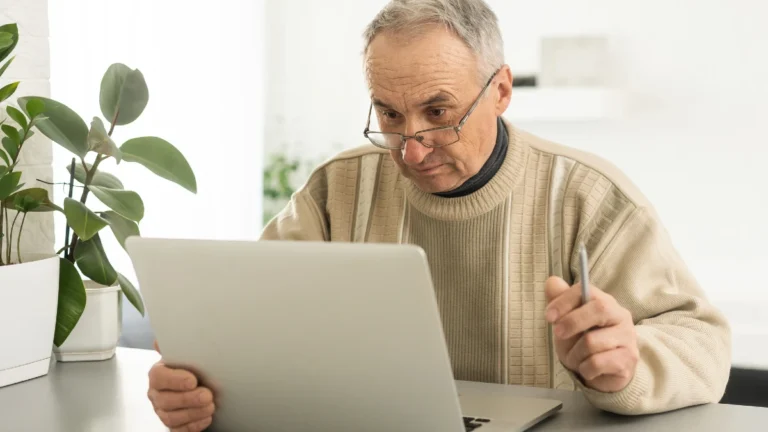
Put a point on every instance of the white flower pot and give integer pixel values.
(29, 295)
(96, 334)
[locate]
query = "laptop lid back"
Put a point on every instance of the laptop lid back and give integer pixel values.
(302, 336)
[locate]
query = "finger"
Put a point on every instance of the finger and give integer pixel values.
(195, 427)
(170, 400)
(162, 377)
(554, 286)
(565, 302)
(601, 311)
(595, 342)
(157, 347)
(184, 417)
(613, 362)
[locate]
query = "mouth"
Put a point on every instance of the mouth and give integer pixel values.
(429, 170)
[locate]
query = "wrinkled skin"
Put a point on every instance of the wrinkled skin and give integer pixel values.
(428, 80)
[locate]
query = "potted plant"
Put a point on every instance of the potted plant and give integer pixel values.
(278, 187)
(28, 283)
(123, 97)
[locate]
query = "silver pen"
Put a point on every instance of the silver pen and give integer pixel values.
(584, 264)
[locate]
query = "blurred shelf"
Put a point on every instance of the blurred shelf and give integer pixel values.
(555, 104)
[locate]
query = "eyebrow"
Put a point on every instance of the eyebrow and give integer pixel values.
(380, 103)
(440, 97)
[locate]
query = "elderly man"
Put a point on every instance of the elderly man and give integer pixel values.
(499, 213)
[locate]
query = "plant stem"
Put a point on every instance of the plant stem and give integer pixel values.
(88, 179)
(18, 238)
(55, 184)
(2, 212)
(114, 120)
(9, 243)
(62, 249)
(71, 185)
(8, 236)
(18, 153)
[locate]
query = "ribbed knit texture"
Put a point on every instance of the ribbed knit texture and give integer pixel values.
(491, 251)
(467, 287)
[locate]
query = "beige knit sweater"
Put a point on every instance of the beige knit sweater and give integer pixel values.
(491, 251)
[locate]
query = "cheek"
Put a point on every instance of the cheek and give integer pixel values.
(397, 156)
(456, 156)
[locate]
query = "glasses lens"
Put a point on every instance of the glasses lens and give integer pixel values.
(439, 137)
(385, 140)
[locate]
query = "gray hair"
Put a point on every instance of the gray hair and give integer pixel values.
(471, 20)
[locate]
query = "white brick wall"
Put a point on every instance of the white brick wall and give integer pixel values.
(32, 68)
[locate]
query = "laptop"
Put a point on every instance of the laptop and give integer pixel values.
(310, 336)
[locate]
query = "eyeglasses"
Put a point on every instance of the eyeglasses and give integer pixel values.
(435, 137)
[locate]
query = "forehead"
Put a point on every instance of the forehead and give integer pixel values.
(407, 65)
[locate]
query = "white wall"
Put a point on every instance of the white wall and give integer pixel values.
(32, 68)
(203, 64)
(692, 74)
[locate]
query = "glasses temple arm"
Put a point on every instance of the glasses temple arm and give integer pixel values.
(477, 101)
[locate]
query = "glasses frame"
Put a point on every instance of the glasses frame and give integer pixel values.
(418, 136)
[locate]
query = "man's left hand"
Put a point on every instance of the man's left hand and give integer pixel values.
(597, 341)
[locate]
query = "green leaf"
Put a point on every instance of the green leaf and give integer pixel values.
(37, 119)
(92, 261)
(8, 90)
(99, 179)
(17, 116)
(71, 301)
(83, 221)
(127, 203)
(4, 157)
(131, 293)
(5, 66)
(3, 170)
(11, 147)
(162, 158)
(35, 107)
(49, 207)
(26, 200)
(121, 227)
(25, 203)
(62, 125)
(27, 196)
(13, 29)
(8, 184)
(124, 94)
(100, 142)
(11, 133)
(6, 40)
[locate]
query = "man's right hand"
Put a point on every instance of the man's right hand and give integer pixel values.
(181, 404)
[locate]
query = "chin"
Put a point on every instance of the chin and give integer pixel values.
(434, 184)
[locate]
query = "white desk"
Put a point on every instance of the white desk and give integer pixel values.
(111, 396)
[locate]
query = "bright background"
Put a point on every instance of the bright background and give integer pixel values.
(234, 82)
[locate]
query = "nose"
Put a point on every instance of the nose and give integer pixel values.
(413, 152)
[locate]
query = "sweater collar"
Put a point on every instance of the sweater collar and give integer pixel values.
(489, 168)
(487, 197)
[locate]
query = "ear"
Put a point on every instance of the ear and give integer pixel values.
(503, 86)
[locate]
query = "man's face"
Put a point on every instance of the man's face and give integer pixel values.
(427, 81)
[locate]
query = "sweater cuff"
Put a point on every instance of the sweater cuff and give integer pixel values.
(628, 401)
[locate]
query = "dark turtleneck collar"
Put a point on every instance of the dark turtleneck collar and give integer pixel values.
(489, 169)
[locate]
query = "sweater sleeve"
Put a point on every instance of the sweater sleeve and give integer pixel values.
(301, 219)
(684, 342)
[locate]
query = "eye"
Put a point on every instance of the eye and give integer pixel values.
(390, 115)
(436, 112)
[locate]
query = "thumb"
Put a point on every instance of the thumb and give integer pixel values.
(554, 286)
(157, 347)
